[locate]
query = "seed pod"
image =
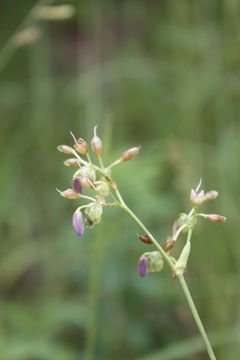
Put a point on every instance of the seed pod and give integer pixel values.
(77, 186)
(150, 262)
(145, 239)
(71, 162)
(78, 222)
(96, 143)
(65, 149)
(69, 194)
(130, 154)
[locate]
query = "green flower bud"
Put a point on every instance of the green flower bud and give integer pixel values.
(183, 259)
(94, 213)
(102, 188)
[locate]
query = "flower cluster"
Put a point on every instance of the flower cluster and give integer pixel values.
(148, 262)
(90, 177)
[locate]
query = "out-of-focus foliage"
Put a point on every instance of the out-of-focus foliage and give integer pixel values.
(163, 74)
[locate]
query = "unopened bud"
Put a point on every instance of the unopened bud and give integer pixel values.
(69, 194)
(169, 244)
(196, 198)
(210, 195)
(77, 186)
(96, 143)
(78, 222)
(214, 217)
(150, 262)
(71, 162)
(65, 149)
(102, 188)
(145, 239)
(183, 259)
(81, 146)
(130, 154)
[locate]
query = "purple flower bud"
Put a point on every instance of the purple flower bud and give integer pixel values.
(142, 266)
(77, 186)
(78, 222)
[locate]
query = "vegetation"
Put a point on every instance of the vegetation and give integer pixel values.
(160, 74)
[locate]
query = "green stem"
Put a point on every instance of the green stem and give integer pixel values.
(100, 162)
(180, 277)
(196, 316)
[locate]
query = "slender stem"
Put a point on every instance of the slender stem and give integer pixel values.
(89, 158)
(118, 161)
(100, 162)
(196, 316)
(180, 277)
(87, 197)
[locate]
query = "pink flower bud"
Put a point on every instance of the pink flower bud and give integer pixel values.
(96, 143)
(78, 222)
(65, 149)
(69, 194)
(215, 218)
(81, 146)
(210, 195)
(130, 154)
(71, 162)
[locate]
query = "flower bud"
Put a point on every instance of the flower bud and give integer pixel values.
(211, 195)
(196, 198)
(69, 194)
(65, 149)
(78, 222)
(81, 146)
(182, 261)
(77, 186)
(130, 154)
(102, 188)
(145, 239)
(71, 162)
(94, 213)
(96, 143)
(214, 217)
(150, 262)
(169, 244)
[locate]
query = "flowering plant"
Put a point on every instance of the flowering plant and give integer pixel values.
(99, 180)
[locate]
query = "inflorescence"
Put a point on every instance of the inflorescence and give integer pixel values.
(99, 180)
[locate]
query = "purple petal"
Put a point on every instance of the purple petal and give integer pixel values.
(78, 222)
(77, 186)
(142, 266)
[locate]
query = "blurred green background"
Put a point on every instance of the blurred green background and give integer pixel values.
(162, 74)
